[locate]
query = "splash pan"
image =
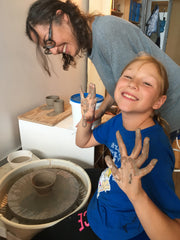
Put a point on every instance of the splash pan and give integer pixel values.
(12, 212)
(30, 207)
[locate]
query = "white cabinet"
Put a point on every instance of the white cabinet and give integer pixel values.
(55, 142)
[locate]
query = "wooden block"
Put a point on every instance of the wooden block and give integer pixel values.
(38, 115)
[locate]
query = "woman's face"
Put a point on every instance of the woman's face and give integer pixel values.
(138, 89)
(61, 34)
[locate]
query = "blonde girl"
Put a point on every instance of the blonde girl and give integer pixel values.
(134, 199)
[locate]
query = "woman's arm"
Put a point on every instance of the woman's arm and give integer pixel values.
(108, 101)
(156, 224)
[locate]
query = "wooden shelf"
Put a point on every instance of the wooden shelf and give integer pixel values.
(116, 13)
(136, 23)
(123, 7)
(163, 5)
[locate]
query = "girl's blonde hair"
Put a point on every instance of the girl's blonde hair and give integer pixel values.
(164, 84)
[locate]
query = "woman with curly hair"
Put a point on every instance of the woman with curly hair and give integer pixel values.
(110, 43)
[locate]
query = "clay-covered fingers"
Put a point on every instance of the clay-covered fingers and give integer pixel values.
(110, 163)
(92, 104)
(82, 93)
(144, 154)
(84, 107)
(138, 145)
(92, 91)
(144, 171)
(122, 147)
(91, 100)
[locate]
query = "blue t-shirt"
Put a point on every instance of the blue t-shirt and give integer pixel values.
(110, 213)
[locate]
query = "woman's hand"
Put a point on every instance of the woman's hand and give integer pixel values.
(128, 177)
(88, 105)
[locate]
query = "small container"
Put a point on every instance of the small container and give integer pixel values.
(19, 158)
(43, 181)
(75, 102)
(59, 106)
(50, 100)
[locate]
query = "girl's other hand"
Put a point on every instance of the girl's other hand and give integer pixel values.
(128, 177)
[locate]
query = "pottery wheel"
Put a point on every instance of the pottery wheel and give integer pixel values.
(25, 203)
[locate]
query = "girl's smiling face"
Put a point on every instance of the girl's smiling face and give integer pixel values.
(138, 89)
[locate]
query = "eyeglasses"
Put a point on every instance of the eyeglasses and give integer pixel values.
(49, 43)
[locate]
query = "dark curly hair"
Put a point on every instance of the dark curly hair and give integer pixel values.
(43, 11)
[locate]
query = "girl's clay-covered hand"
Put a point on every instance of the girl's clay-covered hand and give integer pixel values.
(128, 177)
(88, 105)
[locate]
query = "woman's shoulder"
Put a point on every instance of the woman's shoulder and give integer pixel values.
(109, 19)
(108, 23)
(113, 31)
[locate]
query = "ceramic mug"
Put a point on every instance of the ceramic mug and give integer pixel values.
(50, 100)
(59, 105)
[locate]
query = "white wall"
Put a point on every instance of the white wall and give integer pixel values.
(104, 7)
(23, 83)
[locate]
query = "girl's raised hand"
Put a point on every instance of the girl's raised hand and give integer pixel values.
(88, 105)
(128, 177)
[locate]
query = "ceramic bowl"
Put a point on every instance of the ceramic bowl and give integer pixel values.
(19, 158)
(43, 181)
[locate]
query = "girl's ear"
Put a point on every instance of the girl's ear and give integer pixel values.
(159, 102)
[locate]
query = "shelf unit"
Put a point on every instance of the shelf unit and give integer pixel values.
(121, 8)
(116, 13)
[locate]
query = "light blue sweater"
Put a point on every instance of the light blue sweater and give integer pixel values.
(115, 43)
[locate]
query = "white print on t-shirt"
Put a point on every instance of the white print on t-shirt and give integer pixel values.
(115, 152)
(104, 184)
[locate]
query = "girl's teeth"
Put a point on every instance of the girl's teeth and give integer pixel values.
(129, 96)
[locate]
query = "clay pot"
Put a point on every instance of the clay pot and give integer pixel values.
(43, 181)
